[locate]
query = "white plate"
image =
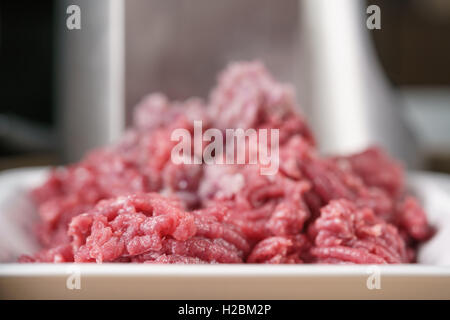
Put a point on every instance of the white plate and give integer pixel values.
(428, 280)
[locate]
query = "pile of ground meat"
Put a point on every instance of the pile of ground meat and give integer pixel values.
(130, 203)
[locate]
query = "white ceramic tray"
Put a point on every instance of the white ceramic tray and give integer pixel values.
(430, 279)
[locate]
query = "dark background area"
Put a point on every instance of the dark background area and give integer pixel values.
(26, 59)
(26, 68)
(414, 41)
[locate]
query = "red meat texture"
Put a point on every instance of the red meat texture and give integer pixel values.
(129, 202)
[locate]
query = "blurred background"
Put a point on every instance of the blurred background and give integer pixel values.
(64, 91)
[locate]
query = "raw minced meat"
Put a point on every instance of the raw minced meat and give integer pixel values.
(149, 227)
(346, 233)
(129, 202)
(260, 206)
